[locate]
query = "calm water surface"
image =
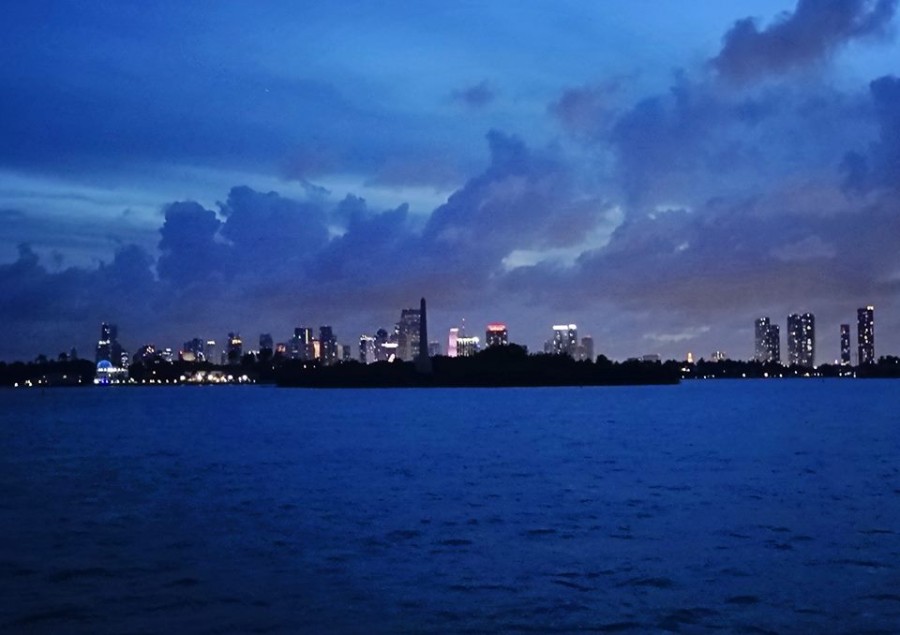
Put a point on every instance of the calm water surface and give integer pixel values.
(755, 506)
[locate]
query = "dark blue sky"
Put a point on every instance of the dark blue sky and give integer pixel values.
(659, 173)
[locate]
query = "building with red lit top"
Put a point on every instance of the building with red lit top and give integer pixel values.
(496, 335)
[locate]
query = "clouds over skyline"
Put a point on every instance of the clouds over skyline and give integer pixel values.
(809, 34)
(667, 215)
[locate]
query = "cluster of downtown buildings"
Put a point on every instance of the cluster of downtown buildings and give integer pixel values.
(322, 346)
(801, 340)
(403, 343)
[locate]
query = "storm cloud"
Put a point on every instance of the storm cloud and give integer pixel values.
(813, 31)
(660, 200)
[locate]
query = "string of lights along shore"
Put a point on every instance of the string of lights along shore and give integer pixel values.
(403, 343)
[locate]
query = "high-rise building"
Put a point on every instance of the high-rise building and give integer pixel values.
(565, 339)
(761, 331)
(434, 349)
(773, 344)
(194, 350)
(210, 351)
(382, 351)
(496, 335)
(452, 340)
(467, 346)
(266, 348)
(407, 330)
(585, 351)
(423, 359)
(145, 354)
(328, 352)
(768, 342)
(367, 349)
(845, 345)
(235, 348)
(302, 343)
(801, 339)
(865, 335)
(108, 347)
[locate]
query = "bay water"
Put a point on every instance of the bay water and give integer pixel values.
(735, 506)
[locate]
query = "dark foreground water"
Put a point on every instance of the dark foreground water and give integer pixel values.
(755, 506)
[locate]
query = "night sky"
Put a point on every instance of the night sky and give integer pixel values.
(659, 173)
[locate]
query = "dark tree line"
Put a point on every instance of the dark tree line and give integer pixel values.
(496, 366)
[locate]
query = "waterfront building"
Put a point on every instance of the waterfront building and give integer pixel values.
(768, 342)
(801, 339)
(108, 347)
(845, 345)
(496, 334)
(865, 335)
(194, 350)
(565, 339)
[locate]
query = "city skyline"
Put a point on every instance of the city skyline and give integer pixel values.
(186, 171)
(801, 343)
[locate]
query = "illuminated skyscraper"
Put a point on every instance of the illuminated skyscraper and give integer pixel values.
(366, 349)
(801, 334)
(235, 348)
(452, 340)
(328, 350)
(103, 344)
(408, 334)
(845, 345)
(108, 347)
(865, 335)
(384, 348)
(302, 343)
(496, 335)
(768, 342)
(565, 339)
(194, 350)
(467, 346)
